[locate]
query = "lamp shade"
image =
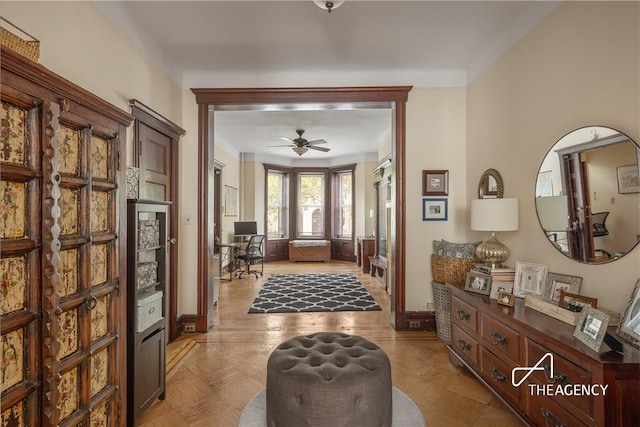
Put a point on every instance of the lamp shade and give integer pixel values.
(494, 214)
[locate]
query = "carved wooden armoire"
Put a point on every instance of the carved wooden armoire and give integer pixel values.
(63, 247)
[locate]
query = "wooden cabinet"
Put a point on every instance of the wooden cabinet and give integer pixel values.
(366, 247)
(147, 223)
(491, 340)
(62, 250)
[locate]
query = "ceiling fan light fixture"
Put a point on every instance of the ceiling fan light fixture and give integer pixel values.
(300, 150)
(328, 5)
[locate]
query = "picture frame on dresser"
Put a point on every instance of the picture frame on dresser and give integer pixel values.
(529, 279)
(555, 283)
(629, 326)
(591, 327)
(478, 283)
(498, 286)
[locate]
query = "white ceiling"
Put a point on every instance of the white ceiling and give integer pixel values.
(296, 44)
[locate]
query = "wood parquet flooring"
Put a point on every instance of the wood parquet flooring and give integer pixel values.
(212, 376)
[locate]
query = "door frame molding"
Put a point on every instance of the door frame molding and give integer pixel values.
(154, 120)
(395, 95)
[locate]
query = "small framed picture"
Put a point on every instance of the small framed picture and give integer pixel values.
(530, 279)
(506, 298)
(435, 183)
(435, 210)
(555, 283)
(575, 302)
(628, 181)
(498, 286)
(629, 326)
(591, 327)
(478, 283)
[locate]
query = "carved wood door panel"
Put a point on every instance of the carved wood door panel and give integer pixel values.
(62, 246)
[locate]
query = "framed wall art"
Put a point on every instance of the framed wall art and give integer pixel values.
(530, 279)
(230, 201)
(556, 283)
(435, 182)
(591, 327)
(435, 210)
(628, 180)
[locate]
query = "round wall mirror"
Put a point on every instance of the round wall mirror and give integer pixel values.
(490, 185)
(587, 195)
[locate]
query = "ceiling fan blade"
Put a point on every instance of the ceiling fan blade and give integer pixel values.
(284, 138)
(283, 145)
(313, 147)
(317, 141)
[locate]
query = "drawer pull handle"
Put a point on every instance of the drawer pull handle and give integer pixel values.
(551, 420)
(463, 315)
(496, 338)
(496, 374)
(558, 377)
(463, 345)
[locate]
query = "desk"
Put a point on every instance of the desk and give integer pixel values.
(227, 257)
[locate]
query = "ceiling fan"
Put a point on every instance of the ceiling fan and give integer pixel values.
(301, 145)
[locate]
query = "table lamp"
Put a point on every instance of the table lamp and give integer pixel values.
(494, 215)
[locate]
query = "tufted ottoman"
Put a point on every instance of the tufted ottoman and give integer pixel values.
(328, 379)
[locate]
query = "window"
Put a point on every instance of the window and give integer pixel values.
(310, 218)
(343, 217)
(277, 204)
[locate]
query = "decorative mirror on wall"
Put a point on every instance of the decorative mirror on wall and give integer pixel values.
(490, 185)
(587, 194)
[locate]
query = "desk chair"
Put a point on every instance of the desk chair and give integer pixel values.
(250, 254)
(599, 228)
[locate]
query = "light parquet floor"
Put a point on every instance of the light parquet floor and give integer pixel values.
(212, 376)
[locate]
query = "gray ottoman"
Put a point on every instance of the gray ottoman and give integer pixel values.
(328, 379)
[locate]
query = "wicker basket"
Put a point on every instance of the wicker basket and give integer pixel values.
(442, 305)
(30, 49)
(451, 270)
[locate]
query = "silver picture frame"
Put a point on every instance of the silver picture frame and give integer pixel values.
(629, 326)
(529, 279)
(591, 327)
(555, 282)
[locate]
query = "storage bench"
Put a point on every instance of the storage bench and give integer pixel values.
(309, 250)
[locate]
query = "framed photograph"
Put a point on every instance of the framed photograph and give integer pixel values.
(555, 283)
(435, 183)
(506, 298)
(478, 283)
(575, 302)
(544, 184)
(435, 210)
(230, 201)
(498, 286)
(628, 181)
(591, 327)
(530, 279)
(629, 326)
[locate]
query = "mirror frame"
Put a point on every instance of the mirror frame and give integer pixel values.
(483, 185)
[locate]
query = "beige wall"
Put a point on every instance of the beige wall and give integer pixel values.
(436, 132)
(580, 67)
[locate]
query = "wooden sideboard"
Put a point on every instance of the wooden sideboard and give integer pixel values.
(490, 340)
(366, 247)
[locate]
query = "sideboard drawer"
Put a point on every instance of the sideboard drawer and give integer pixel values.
(564, 373)
(543, 411)
(465, 344)
(464, 315)
(498, 374)
(500, 338)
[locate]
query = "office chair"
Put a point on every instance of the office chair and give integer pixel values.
(250, 254)
(599, 228)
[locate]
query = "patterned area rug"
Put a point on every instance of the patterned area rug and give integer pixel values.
(291, 293)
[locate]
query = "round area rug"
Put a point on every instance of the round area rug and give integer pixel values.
(405, 412)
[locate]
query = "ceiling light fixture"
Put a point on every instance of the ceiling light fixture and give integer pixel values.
(328, 5)
(300, 150)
